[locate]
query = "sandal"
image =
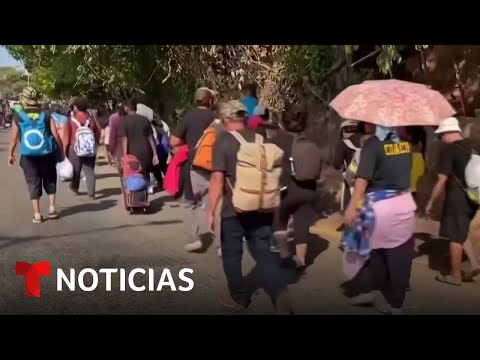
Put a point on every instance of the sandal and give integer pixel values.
(53, 215)
(469, 277)
(37, 220)
(447, 279)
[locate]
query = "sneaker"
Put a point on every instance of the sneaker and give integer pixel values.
(396, 311)
(227, 301)
(37, 218)
(219, 252)
(195, 246)
(386, 309)
(150, 190)
(362, 300)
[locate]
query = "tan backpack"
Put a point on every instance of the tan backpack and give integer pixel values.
(259, 166)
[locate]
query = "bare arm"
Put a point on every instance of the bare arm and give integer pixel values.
(216, 190)
(14, 137)
(176, 141)
(153, 145)
(437, 191)
(125, 145)
(359, 190)
(56, 136)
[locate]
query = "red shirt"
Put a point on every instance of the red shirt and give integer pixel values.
(254, 122)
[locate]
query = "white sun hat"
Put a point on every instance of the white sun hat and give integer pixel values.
(448, 125)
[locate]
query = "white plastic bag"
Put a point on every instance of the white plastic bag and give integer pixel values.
(65, 169)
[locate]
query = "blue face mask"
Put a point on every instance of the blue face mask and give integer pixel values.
(384, 132)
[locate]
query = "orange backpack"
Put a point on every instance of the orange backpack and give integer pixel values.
(204, 149)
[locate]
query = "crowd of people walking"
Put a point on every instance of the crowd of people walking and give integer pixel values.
(247, 179)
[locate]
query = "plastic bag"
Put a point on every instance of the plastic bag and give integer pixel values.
(65, 169)
(135, 183)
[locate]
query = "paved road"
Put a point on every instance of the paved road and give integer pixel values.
(99, 234)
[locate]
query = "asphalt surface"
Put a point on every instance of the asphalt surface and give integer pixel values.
(101, 234)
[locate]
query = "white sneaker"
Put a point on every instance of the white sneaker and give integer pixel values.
(362, 300)
(150, 190)
(219, 252)
(386, 309)
(395, 311)
(195, 246)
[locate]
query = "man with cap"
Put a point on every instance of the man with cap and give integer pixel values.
(39, 140)
(189, 132)
(255, 227)
(458, 210)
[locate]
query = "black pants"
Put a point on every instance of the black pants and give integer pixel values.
(88, 166)
(257, 229)
(158, 174)
(388, 270)
(160, 170)
(39, 171)
(299, 203)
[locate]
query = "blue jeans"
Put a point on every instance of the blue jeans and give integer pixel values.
(257, 230)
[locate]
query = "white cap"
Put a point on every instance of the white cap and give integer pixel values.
(448, 125)
(347, 123)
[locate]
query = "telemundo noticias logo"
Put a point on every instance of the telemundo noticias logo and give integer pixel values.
(138, 279)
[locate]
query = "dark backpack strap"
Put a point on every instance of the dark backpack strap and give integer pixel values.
(24, 116)
(467, 149)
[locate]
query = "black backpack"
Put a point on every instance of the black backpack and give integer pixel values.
(305, 163)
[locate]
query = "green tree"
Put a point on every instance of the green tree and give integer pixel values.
(12, 81)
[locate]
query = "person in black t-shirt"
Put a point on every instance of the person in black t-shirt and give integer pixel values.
(458, 210)
(384, 174)
(189, 132)
(137, 138)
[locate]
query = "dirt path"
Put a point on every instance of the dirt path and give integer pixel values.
(99, 234)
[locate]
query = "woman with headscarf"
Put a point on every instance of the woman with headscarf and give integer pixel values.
(380, 220)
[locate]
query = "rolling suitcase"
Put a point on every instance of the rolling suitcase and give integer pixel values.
(134, 201)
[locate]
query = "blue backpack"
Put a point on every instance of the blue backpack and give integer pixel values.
(36, 137)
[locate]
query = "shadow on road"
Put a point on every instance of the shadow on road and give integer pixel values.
(90, 207)
(437, 251)
(105, 193)
(15, 240)
(157, 204)
(316, 246)
(106, 176)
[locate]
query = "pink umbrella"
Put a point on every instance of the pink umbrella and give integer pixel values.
(392, 103)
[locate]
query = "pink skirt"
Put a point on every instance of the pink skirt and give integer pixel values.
(394, 226)
(394, 222)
